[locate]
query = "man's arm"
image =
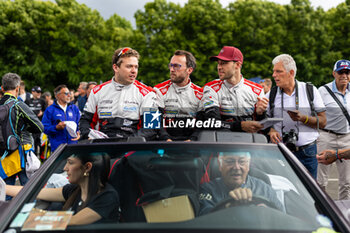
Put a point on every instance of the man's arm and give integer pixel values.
(310, 121)
(329, 156)
(84, 124)
(206, 200)
(275, 136)
(210, 104)
(49, 126)
(88, 116)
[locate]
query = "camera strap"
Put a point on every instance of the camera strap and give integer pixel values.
(296, 102)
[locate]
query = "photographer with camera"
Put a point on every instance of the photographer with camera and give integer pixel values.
(302, 109)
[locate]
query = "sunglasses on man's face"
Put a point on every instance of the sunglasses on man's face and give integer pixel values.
(343, 72)
(65, 93)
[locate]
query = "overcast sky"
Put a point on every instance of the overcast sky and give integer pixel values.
(127, 8)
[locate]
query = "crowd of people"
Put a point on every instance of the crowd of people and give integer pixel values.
(314, 120)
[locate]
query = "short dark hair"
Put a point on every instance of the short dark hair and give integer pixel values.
(10, 81)
(130, 53)
(59, 88)
(190, 59)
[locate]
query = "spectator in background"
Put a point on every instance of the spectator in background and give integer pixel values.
(91, 85)
(72, 98)
(23, 95)
(266, 83)
(37, 105)
(56, 115)
(27, 122)
(82, 97)
(47, 98)
(336, 134)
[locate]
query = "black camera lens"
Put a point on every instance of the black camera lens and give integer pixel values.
(290, 139)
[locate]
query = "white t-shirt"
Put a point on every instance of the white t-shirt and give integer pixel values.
(306, 134)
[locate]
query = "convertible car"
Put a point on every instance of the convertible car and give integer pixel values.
(160, 187)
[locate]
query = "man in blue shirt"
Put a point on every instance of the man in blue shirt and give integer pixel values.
(56, 116)
(234, 182)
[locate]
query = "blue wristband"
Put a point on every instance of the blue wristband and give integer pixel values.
(337, 156)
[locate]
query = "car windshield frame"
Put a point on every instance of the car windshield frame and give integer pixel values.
(31, 190)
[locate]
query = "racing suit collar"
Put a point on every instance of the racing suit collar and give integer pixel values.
(229, 85)
(180, 89)
(119, 86)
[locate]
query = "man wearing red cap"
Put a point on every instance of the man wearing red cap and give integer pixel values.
(231, 98)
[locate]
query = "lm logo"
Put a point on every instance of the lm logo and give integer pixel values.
(151, 120)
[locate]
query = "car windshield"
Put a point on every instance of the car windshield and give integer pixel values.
(186, 186)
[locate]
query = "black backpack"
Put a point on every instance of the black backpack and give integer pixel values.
(9, 140)
(309, 92)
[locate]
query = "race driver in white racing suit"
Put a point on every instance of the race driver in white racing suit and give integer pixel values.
(235, 101)
(179, 99)
(118, 104)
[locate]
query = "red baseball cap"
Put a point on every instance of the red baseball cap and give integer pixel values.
(229, 53)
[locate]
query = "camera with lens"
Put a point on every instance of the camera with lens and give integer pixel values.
(290, 139)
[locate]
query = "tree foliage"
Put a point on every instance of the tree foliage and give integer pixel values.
(66, 42)
(49, 44)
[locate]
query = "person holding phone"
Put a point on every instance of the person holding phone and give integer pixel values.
(299, 128)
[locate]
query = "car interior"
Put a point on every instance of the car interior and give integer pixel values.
(159, 183)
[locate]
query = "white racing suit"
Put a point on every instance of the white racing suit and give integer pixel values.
(118, 109)
(179, 104)
(231, 104)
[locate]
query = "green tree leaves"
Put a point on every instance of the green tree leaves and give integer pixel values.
(51, 43)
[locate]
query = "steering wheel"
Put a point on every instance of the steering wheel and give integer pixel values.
(230, 202)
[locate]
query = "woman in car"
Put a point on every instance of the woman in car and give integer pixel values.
(88, 195)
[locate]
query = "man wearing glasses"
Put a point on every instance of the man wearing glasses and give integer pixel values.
(179, 98)
(336, 134)
(235, 101)
(56, 117)
(235, 183)
(119, 103)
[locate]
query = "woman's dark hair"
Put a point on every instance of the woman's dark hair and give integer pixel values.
(98, 176)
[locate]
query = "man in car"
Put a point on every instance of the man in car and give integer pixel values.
(119, 103)
(235, 101)
(235, 182)
(179, 96)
